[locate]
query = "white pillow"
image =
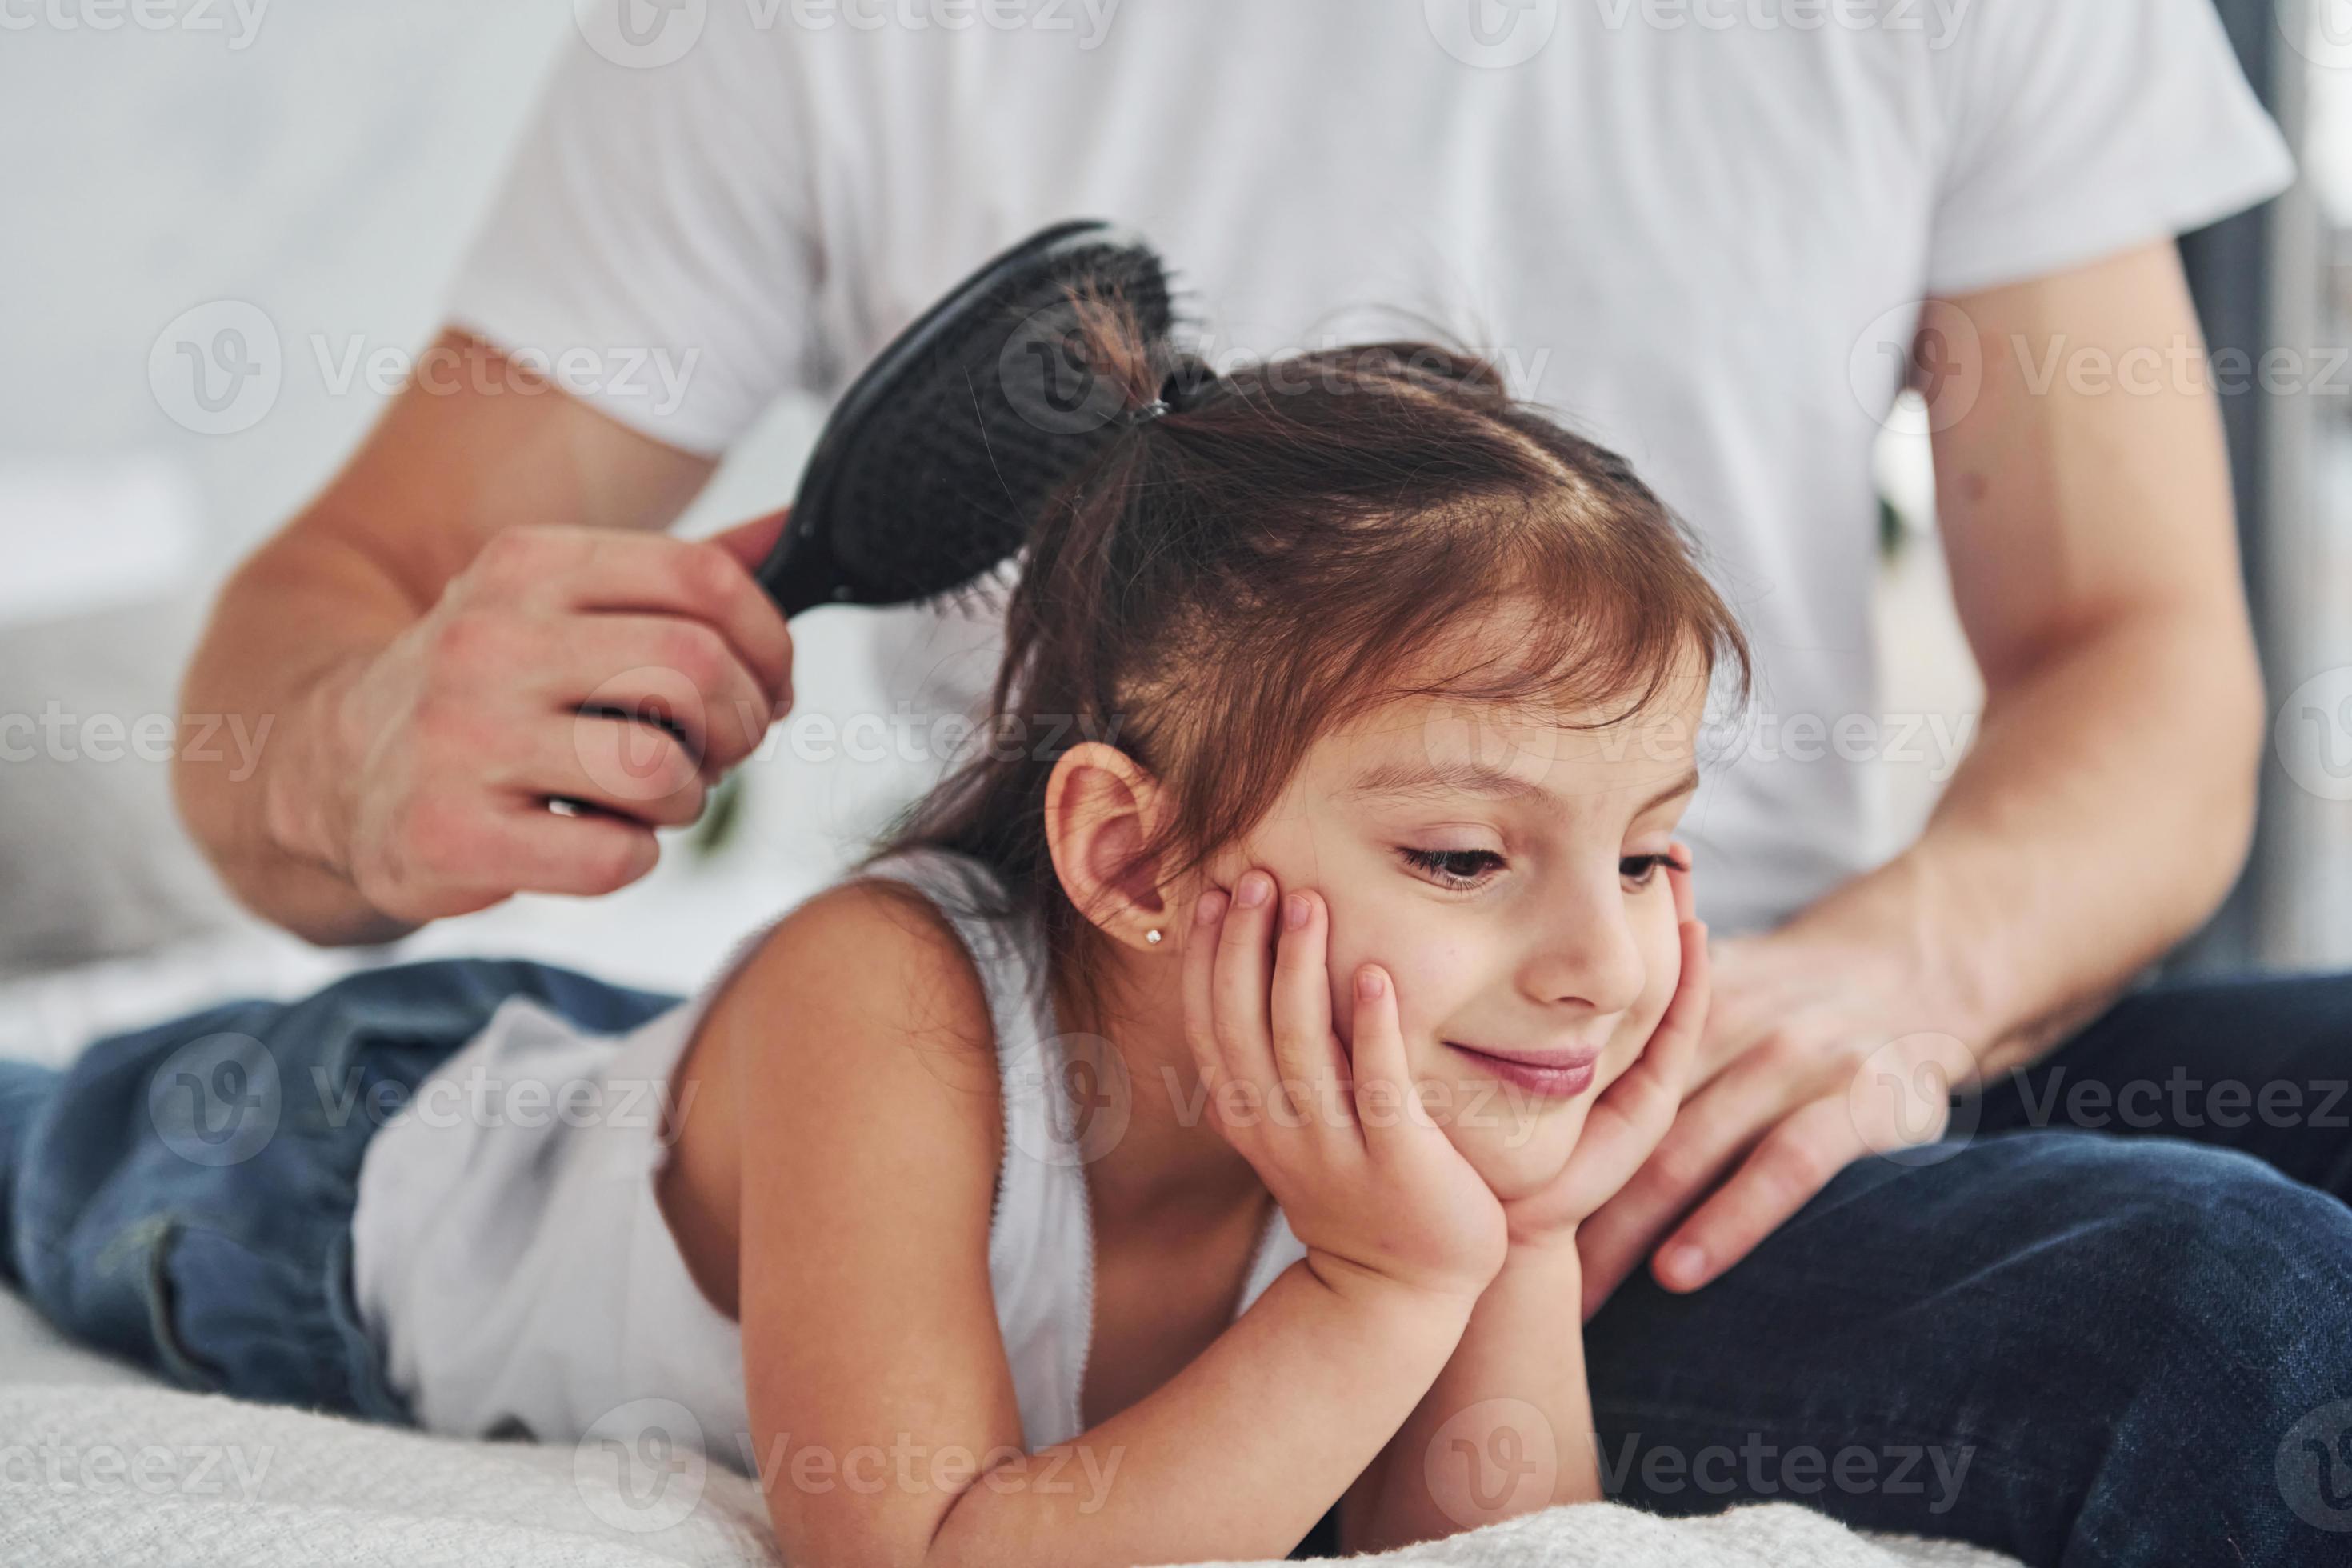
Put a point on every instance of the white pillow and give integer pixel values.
(93, 861)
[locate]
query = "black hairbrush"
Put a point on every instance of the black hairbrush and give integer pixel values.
(932, 466)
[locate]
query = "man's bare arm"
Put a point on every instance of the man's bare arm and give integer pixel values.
(2103, 812)
(2109, 800)
(410, 722)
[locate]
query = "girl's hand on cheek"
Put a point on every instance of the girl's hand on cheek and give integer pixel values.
(1632, 1115)
(1367, 1180)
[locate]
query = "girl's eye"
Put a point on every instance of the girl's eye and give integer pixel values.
(1641, 869)
(1457, 869)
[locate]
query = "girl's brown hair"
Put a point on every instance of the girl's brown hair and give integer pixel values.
(1232, 580)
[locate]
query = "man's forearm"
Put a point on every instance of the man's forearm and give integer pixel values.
(300, 612)
(1507, 1427)
(2103, 814)
(473, 450)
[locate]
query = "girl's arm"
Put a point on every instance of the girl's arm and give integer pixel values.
(885, 1424)
(1507, 1427)
(1235, 1457)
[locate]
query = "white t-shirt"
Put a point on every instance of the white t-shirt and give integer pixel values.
(1686, 225)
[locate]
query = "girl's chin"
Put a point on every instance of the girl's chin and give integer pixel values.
(1517, 1170)
(1517, 1142)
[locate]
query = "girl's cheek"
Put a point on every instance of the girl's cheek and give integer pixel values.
(1666, 974)
(1662, 964)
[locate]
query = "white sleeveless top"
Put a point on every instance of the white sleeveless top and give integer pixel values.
(513, 1264)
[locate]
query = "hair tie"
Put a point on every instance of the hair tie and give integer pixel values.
(1188, 385)
(1186, 388)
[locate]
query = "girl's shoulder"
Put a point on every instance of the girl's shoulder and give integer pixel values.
(892, 945)
(912, 955)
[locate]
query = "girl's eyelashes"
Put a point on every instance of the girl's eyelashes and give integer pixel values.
(1642, 869)
(1456, 869)
(1461, 869)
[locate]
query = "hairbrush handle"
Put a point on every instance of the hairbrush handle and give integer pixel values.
(800, 571)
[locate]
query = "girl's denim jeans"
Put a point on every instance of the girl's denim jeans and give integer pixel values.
(182, 1195)
(2107, 1320)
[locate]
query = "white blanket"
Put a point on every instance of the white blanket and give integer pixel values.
(121, 1476)
(101, 1468)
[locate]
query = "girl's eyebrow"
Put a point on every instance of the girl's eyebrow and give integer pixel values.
(1403, 777)
(1686, 784)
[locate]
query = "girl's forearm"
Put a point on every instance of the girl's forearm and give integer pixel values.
(1506, 1429)
(1238, 1454)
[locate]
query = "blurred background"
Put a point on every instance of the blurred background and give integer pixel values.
(323, 163)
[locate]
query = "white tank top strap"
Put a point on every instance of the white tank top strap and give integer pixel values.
(1040, 1244)
(1063, 1110)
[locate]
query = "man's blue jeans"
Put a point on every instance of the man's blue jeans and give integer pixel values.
(2109, 1322)
(2113, 1326)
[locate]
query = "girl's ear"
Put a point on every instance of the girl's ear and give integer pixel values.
(1100, 809)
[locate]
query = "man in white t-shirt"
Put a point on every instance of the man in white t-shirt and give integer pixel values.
(1702, 230)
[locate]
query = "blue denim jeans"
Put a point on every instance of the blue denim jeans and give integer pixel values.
(182, 1195)
(2108, 1320)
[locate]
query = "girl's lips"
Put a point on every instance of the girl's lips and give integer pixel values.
(1555, 1076)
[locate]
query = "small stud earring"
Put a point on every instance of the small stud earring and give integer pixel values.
(1152, 937)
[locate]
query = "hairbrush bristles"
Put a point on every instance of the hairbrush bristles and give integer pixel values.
(935, 465)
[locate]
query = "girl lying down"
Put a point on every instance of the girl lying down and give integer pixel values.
(1174, 1136)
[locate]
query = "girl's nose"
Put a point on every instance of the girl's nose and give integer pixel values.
(1585, 954)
